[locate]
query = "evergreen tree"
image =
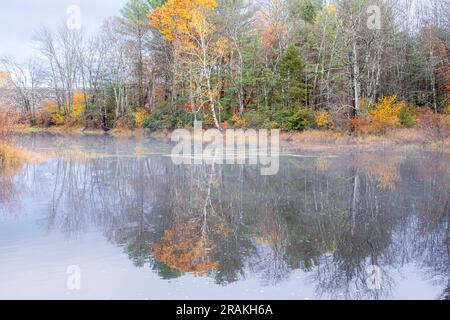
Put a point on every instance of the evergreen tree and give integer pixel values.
(291, 87)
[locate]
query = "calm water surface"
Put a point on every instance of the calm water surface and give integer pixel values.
(140, 227)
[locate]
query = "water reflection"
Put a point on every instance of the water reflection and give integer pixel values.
(329, 217)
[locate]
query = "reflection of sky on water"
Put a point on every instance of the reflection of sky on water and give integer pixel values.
(293, 242)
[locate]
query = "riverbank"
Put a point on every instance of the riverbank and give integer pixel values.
(12, 158)
(300, 140)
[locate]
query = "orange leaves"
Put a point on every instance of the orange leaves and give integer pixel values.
(238, 121)
(5, 80)
(178, 19)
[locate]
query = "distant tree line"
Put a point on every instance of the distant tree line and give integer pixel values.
(289, 64)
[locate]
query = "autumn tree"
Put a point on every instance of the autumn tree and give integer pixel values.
(187, 25)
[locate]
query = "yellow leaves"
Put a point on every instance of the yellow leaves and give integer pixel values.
(326, 10)
(385, 114)
(271, 33)
(330, 9)
(78, 107)
(382, 116)
(221, 47)
(140, 116)
(323, 120)
(182, 19)
(238, 121)
(49, 115)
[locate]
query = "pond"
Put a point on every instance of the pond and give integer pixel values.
(330, 225)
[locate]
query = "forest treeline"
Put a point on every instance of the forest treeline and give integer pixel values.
(363, 65)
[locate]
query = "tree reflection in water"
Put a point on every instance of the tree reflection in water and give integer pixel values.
(330, 217)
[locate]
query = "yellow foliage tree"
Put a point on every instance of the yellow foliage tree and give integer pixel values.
(385, 114)
(182, 19)
(78, 107)
(185, 24)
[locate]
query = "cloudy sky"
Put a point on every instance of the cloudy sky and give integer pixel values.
(20, 19)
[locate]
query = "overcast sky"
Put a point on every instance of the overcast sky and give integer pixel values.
(20, 18)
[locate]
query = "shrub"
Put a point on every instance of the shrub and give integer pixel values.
(7, 120)
(385, 114)
(154, 121)
(281, 118)
(139, 116)
(157, 119)
(359, 125)
(301, 120)
(57, 118)
(255, 119)
(382, 116)
(407, 117)
(184, 120)
(435, 125)
(323, 120)
(49, 115)
(238, 121)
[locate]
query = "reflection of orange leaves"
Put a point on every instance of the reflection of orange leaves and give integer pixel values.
(271, 232)
(387, 176)
(185, 250)
(385, 170)
(322, 164)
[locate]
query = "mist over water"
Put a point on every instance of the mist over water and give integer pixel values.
(139, 226)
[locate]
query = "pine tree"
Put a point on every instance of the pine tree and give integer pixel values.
(291, 87)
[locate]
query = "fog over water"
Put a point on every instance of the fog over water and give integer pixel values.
(139, 226)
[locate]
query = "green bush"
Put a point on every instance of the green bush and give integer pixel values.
(407, 117)
(301, 120)
(156, 120)
(255, 119)
(184, 120)
(281, 118)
